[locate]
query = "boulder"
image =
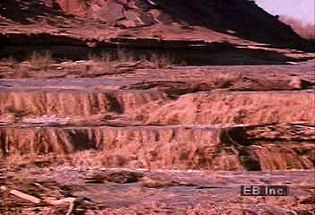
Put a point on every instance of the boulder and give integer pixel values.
(74, 7)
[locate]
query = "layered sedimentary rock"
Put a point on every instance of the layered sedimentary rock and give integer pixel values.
(215, 118)
(93, 90)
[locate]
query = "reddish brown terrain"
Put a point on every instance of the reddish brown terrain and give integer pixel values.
(153, 107)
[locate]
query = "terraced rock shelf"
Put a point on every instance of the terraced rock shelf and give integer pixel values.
(219, 118)
(153, 107)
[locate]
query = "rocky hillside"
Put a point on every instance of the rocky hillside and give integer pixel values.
(241, 18)
(177, 24)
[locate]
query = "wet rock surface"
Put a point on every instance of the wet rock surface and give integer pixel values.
(158, 192)
(68, 132)
(153, 107)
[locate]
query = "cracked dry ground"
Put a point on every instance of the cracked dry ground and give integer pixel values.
(178, 140)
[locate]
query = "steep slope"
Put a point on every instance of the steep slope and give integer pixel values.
(241, 17)
(99, 23)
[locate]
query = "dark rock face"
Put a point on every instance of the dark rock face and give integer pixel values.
(242, 18)
(199, 32)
